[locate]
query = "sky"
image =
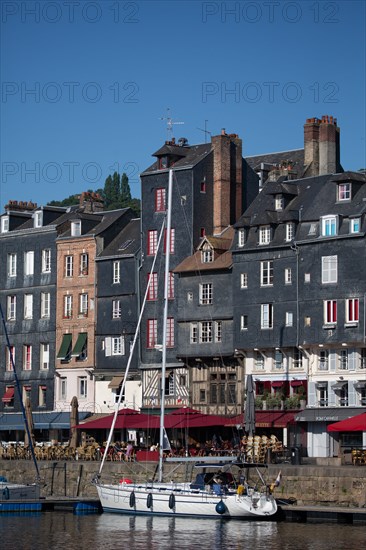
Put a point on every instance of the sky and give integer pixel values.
(88, 88)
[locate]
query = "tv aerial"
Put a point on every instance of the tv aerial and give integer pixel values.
(170, 123)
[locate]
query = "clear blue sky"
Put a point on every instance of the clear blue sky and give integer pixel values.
(84, 84)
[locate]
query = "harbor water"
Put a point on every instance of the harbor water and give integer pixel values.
(63, 530)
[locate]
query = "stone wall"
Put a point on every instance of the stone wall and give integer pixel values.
(309, 485)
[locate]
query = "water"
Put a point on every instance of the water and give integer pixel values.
(65, 531)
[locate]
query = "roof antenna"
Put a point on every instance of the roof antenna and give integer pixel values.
(205, 131)
(170, 122)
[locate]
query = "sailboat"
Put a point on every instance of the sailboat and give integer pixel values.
(216, 491)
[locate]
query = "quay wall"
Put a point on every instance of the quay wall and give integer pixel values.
(309, 485)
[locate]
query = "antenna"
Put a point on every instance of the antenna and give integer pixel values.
(170, 122)
(205, 131)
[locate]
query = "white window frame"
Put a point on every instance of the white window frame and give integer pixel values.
(29, 263)
(153, 286)
(116, 309)
(8, 364)
(288, 276)
(265, 234)
(44, 356)
(207, 256)
(42, 392)
(152, 333)
(290, 231)
(355, 225)
(12, 264)
(152, 242)
(4, 224)
(244, 322)
(266, 316)
(289, 321)
(205, 332)
(46, 260)
(38, 218)
(323, 364)
(11, 308)
(83, 304)
(27, 357)
(63, 388)
(330, 312)
(218, 331)
(194, 333)
(205, 294)
(76, 228)
(244, 280)
(329, 226)
(83, 387)
(117, 345)
(241, 238)
(116, 272)
(68, 303)
(344, 191)
(267, 273)
(329, 269)
(69, 265)
(279, 202)
(28, 306)
(352, 310)
(84, 263)
(343, 359)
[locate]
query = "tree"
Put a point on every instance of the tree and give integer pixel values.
(125, 190)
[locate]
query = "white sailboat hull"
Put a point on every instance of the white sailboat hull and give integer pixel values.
(163, 499)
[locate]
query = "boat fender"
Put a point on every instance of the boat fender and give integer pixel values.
(172, 501)
(125, 480)
(241, 490)
(220, 507)
(149, 500)
(6, 493)
(132, 499)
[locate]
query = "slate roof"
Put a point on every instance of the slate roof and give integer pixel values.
(222, 254)
(294, 155)
(193, 155)
(127, 243)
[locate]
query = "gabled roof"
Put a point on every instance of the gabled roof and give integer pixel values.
(126, 243)
(193, 155)
(222, 255)
(296, 156)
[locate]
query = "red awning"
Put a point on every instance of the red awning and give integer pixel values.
(8, 395)
(277, 384)
(297, 383)
(353, 424)
(266, 419)
(186, 417)
(126, 419)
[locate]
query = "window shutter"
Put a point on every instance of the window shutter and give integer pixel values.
(331, 395)
(312, 394)
(332, 361)
(351, 359)
(352, 398)
(108, 346)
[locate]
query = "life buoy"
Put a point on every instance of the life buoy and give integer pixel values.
(132, 499)
(149, 501)
(6, 493)
(172, 501)
(220, 507)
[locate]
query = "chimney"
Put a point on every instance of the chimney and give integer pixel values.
(91, 202)
(311, 146)
(329, 162)
(21, 206)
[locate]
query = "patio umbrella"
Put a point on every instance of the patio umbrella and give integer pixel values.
(353, 424)
(126, 419)
(249, 414)
(74, 420)
(29, 418)
(191, 418)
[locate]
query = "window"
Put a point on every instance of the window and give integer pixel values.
(258, 361)
(172, 241)
(329, 226)
(27, 357)
(67, 306)
(266, 316)
(288, 276)
(290, 231)
(244, 280)
(169, 384)
(189, 296)
(12, 264)
(343, 396)
(223, 389)
(279, 202)
(202, 232)
(297, 359)
(83, 305)
(38, 218)
(27, 390)
(267, 273)
(42, 395)
(116, 272)
(207, 256)
(344, 191)
(114, 345)
(171, 286)
(8, 398)
(278, 359)
(323, 360)
(28, 306)
(206, 293)
(363, 358)
(76, 228)
(330, 312)
(4, 224)
(203, 186)
(163, 162)
(160, 200)
(343, 359)
(241, 238)
(69, 266)
(202, 396)
(45, 356)
(152, 242)
(11, 308)
(46, 260)
(194, 333)
(45, 305)
(329, 269)
(313, 228)
(83, 387)
(352, 309)
(218, 331)
(152, 333)
(63, 388)
(29, 263)
(307, 278)
(10, 353)
(289, 319)
(84, 263)
(116, 309)
(355, 225)
(264, 234)
(170, 332)
(243, 322)
(323, 395)
(205, 332)
(152, 293)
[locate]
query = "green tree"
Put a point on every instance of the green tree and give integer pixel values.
(125, 190)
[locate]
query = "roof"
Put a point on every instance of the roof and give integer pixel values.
(127, 242)
(194, 263)
(42, 420)
(193, 155)
(295, 155)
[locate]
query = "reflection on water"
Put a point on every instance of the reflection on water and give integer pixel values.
(60, 530)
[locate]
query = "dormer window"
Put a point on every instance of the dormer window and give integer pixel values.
(279, 202)
(264, 234)
(241, 238)
(163, 162)
(4, 224)
(290, 231)
(329, 226)
(355, 225)
(344, 192)
(76, 228)
(207, 256)
(38, 219)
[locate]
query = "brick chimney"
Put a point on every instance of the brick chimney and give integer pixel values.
(227, 176)
(91, 202)
(311, 146)
(328, 146)
(21, 206)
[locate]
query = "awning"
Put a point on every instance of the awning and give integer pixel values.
(273, 419)
(277, 384)
(65, 346)
(8, 395)
(327, 414)
(115, 383)
(80, 343)
(353, 424)
(338, 386)
(297, 383)
(360, 385)
(321, 384)
(42, 420)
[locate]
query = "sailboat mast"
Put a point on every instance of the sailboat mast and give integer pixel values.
(165, 319)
